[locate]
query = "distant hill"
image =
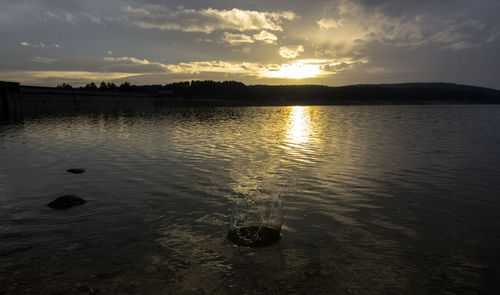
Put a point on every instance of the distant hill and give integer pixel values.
(237, 93)
(19, 101)
(408, 93)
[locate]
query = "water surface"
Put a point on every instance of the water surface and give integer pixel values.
(377, 199)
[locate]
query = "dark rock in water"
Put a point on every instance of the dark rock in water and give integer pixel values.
(254, 236)
(76, 170)
(66, 202)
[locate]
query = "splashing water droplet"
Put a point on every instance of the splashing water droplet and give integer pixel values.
(256, 219)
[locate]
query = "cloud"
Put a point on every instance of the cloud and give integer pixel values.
(79, 74)
(58, 76)
(454, 34)
(191, 67)
(34, 45)
(135, 65)
(246, 50)
(205, 20)
(291, 51)
(493, 35)
(237, 38)
(63, 16)
(325, 52)
(280, 73)
(312, 68)
(328, 23)
(194, 67)
(341, 65)
(39, 45)
(130, 59)
(92, 18)
(214, 67)
(350, 23)
(265, 36)
(298, 69)
(204, 40)
(44, 60)
(463, 34)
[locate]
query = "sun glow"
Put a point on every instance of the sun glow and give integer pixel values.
(297, 69)
(300, 69)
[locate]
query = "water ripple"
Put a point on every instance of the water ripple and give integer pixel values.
(398, 198)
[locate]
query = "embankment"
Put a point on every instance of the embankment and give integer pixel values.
(11, 106)
(18, 101)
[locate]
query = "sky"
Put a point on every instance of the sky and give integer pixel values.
(328, 42)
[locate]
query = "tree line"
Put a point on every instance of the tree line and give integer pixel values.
(183, 89)
(103, 86)
(410, 93)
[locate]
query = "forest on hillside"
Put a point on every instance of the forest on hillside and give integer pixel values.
(408, 93)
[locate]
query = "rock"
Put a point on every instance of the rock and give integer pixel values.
(254, 236)
(76, 170)
(66, 202)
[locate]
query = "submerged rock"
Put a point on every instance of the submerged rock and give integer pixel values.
(76, 170)
(66, 202)
(254, 236)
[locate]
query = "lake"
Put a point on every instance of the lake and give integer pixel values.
(376, 200)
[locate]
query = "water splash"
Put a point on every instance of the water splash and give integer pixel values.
(257, 218)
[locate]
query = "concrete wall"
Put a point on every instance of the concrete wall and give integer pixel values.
(11, 105)
(18, 101)
(46, 100)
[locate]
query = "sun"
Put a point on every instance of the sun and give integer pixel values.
(300, 69)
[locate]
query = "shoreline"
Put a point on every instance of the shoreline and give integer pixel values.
(18, 101)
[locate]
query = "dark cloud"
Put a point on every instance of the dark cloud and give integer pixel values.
(397, 40)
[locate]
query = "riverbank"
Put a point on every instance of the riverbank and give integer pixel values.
(18, 100)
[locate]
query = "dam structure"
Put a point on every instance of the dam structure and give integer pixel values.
(11, 106)
(18, 101)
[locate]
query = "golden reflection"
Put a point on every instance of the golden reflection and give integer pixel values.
(299, 125)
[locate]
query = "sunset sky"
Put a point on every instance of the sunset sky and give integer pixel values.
(330, 42)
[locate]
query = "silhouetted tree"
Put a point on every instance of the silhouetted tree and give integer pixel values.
(111, 86)
(103, 86)
(90, 86)
(65, 86)
(124, 86)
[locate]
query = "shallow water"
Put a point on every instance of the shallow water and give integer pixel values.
(376, 199)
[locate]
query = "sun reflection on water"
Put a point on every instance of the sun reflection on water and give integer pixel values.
(299, 125)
